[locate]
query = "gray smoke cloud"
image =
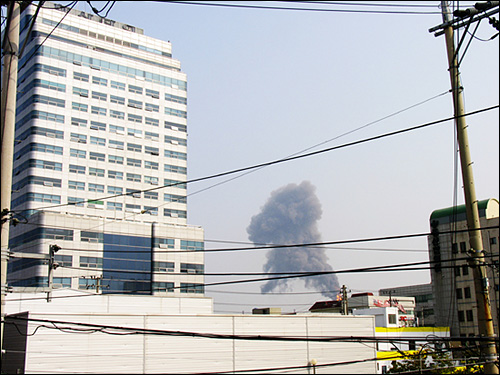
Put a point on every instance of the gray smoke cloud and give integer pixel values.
(289, 217)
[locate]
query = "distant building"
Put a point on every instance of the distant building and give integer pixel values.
(404, 305)
(424, 301)
(453, 287)
(395, 328)
(100, 159)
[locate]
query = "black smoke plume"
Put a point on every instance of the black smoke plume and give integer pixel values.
(289, 217)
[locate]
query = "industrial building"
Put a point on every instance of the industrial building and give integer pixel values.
(87, 333)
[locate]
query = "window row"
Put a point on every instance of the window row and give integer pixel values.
(103, 65)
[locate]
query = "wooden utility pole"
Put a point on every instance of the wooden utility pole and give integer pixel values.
(10, 47)
(485, 321)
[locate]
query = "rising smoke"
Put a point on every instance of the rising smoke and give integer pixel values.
(289, 217)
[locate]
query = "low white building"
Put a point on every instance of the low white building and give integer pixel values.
(79, 332)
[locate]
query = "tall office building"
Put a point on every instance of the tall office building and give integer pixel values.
(453, 287)
(100, 159)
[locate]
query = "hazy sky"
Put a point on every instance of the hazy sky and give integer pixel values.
(265, 84)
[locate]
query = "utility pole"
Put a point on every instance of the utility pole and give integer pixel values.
(485, 321)
(53, 249)
(345, 303)
(10, 47)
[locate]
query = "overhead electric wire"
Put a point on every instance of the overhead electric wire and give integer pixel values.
(227, 5)
(279, 161)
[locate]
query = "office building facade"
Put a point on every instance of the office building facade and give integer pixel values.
(100, 159)
(452, 282)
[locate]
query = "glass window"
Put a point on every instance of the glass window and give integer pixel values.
(76, 201)
(152, 150)
(116, 99)
(174, 198)
(76, 185)
(80, 169)
(134, 147)
(151, 165)
(135, 132)
(98, 141)
(80, 138)
(91, 262)
(117, 85)
(114, 206)
(469, 315)
(117, 114)
(116, 144)
(459, 293)
(174, 183)
(132, 208)
(176, 127)
(463, 247)
(99, 95)
(151, 195)
(115, 159)
(134, 162)
(80, 107)
(134, 193)
(78, 122)
(152, 107)
(175, 169)
(191, 268)
(135, 104)
(160, 286)
(175, 99)
(151, 121)
(95, 125)
(465, 270)
(175, 155)
(133, 177)
(77, 153)
(116, 175)
(175, 112)
(98, 111)
(192, 245)
(81, 92)
(100, 81)
(392, 318)
(164, 267)
(96, 172)
(116, 129)
(153, 93)
(151, 180)
(86, 236)
(174, 213)
(467, 293)
(98, 188)
(192, 288)
(150, 210)
(135, 89)
(134, 118)
(115, 190)
(461, 316)
(152, 136)
(175, 140)
(81, 77)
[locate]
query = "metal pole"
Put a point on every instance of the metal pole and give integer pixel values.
(485, 321)
(8, 109)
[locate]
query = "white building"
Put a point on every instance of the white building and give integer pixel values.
(100, 160)
(84, 333)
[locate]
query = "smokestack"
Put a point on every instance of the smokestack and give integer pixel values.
(289, 217)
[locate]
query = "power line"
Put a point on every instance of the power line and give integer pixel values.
(226, 5)
(279, 161)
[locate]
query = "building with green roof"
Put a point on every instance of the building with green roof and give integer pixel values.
(452, 282)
